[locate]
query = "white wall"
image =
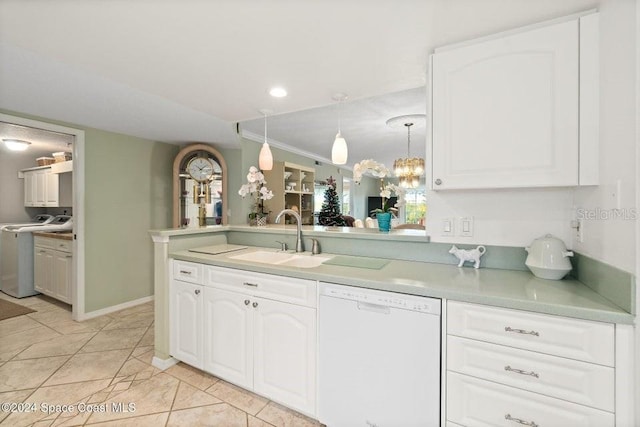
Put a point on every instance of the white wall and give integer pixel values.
(516, 217)
(613, 240)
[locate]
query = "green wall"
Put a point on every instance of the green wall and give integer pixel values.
(128, 186)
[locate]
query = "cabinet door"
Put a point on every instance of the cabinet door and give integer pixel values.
(228, 336)
(186, 322)
(505, 111)
(42, 268)
(61, 286)
(52, 190)
(285, 354)
(40, 188)
(29, 188)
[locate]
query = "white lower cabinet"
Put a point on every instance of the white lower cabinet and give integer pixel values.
(508, 367)
(186, 322)
(244, 328)
(52, 266)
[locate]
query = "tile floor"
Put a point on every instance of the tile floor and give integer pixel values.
(97, 368)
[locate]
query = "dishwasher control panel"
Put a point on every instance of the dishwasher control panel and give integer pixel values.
(382, 298)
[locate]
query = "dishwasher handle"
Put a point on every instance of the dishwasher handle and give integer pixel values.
(375, 308)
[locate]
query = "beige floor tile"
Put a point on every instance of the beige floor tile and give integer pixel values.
(153, 420)
(68, 394)
(136, 320)
(132, 367)
(23, 374)
(18, 342)
(150, 397)
(148, 338)
(16, 325)
(58, 346)
(114, 340)
(141, 308)
(43, 423)
(190, 397)
(256, 422)
(141, 350)
(147, 357)
(193, 376)
(71, 327)
(280, 416)
(222, 415)
(89, 366)
(238, 397)
(13, 397)
(54, 315)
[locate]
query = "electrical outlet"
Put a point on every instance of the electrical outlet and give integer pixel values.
(466, 226)
(578, 230)
(448, 228)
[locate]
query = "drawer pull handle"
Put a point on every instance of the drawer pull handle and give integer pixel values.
(185, 272)
(255, 304)
(246, 302)
(197, 291)
(521, 331)
(255, 285)
(520, 371)
(519, 421)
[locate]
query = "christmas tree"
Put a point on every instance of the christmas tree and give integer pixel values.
(330, 212)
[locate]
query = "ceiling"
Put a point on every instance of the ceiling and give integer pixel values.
(43, 142)
(180, 71)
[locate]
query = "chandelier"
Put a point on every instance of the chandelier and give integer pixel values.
(409, 169)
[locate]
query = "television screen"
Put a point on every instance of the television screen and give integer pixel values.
(375, 202)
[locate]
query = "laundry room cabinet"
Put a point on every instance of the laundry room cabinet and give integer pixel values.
(52, 267)
(43, 188)
(518, 109)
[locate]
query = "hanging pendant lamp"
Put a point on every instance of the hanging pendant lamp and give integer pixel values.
(409, 169)
(339, 151)
(265, 159)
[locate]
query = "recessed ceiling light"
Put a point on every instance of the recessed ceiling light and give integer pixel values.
(16, 144)
(278, 92)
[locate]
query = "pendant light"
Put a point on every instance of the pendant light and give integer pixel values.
(339, 151)
(265, 159)
(409, 169)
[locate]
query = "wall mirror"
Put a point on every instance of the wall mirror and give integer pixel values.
(310, 133)
(199, 187)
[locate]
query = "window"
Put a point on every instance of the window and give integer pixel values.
(346, 191)
(415, 207)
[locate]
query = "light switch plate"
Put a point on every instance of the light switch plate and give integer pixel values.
(448, 227)
(466, 226)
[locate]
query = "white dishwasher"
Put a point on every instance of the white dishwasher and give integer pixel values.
(379, 358)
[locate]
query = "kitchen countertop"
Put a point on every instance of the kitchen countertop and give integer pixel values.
(503, 288)
(60, 236)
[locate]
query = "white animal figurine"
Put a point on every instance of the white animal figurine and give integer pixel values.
(468, 255)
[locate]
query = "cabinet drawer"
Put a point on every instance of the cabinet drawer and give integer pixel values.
(474, 402)
(287, 289)
(51, 243)
(187, 271)
(555, 335)
(580, 382)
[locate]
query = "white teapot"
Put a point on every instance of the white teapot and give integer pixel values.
(548, 258)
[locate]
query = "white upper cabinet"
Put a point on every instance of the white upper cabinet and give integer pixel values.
(506, 110)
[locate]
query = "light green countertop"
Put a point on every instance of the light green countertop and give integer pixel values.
(502, 288)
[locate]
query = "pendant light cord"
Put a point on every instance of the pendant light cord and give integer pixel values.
(408, 125)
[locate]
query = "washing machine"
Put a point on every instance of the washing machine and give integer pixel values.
(16, 264)
(39, 219)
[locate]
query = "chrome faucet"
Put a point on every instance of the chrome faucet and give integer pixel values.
(296, 215)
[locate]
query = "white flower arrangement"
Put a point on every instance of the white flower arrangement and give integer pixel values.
(256, 186)
(379, 170)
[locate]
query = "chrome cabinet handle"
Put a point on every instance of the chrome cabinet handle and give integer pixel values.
(246, 302)
(521, 331)
(508, 417)
(255, 304)
(197, 291)
(255, 285)
(185, 272)
(520, 371)
(438, 181)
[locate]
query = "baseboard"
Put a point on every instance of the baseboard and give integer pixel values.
(114, 308)
(163, 364)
